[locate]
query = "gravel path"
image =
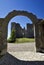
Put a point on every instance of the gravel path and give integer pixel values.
(28, 56)
(20, 56)
(8, 59)
(21, 47)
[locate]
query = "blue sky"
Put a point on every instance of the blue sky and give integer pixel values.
(34, 6)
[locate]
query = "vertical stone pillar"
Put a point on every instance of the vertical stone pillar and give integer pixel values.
(3, 43)
(38, 37)
(0, 35)
(42, 35)
(34, 29)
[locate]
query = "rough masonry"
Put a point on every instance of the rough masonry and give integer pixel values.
(37, 23)
(27, 32)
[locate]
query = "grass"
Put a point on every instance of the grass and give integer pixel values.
(24, 40)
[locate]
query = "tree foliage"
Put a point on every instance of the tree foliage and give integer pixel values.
(12, 36)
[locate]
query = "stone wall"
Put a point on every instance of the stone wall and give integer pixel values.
(30, 30)
(39, 35)
(18, 29)
(3, 37)
(22, 32)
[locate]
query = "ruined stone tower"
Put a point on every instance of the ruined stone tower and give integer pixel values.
(30, 30)
(22, 32)
(17, 28)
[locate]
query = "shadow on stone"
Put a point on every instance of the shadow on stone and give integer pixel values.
(8, 59)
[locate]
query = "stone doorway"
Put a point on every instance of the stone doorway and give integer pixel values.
(25, 47)
(4, 26)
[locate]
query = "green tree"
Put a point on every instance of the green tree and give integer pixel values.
(12, 36)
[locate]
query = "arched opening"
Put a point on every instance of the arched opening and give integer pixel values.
(14, 13)
(7, 19)
(22, 20)
(24, 23)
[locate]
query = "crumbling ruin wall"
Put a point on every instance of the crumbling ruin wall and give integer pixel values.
(4, 29)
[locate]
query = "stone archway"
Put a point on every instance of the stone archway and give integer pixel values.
(14, 13)
(4, 27)
(24, 13)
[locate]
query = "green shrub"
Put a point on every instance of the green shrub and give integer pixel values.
(12, 37)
